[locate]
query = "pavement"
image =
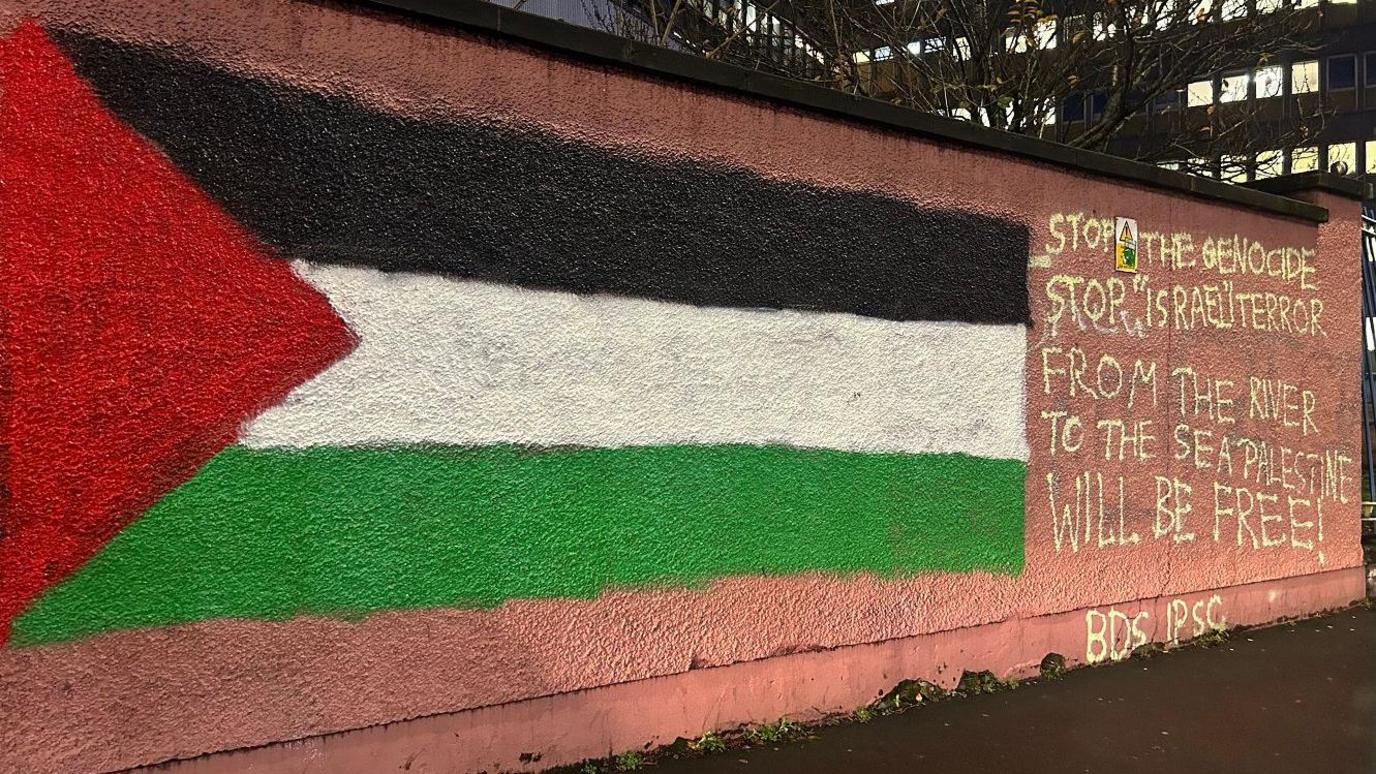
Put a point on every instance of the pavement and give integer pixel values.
(1294, 698)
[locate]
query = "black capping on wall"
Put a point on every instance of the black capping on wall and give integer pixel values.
(583, 43)
(1349, 187)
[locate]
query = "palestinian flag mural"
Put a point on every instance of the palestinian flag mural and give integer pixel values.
(271, 351)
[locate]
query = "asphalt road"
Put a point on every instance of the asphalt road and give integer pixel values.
(1293, 698)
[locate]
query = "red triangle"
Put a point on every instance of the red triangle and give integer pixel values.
(142, 325)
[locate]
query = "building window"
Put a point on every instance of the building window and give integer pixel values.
(1304, 77)
(1074, 108)
(1234, 9)
(883, 54)
(1202, 11)
(1342, 72)
(1232, 87)
(1344, 154)
(1304, 159)
(1098, 101)
(1371, 70)
(1168, 101)
(1270, 81)
(1269, 164)
(1371, 157)
(1270, 6)
(1015, 41)
(1046, 112)
(1158, 16)
(1073, 27)
(1045, 33)
(1104, 26)
(1200, 93)
(1234, 168)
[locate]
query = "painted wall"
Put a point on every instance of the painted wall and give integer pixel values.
(359, 371)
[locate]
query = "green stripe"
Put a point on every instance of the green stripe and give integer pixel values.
(274, 533)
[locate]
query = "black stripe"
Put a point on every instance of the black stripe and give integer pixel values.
(322, 177)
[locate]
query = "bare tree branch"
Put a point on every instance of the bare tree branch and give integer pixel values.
(1015, 64)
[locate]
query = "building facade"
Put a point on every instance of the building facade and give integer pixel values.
(1329, 87)
(1311, 106)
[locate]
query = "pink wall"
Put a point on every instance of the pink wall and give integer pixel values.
(147, 695)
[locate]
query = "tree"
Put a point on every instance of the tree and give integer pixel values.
(1020, 65)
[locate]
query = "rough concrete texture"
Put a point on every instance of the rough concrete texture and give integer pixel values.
(1191, 429)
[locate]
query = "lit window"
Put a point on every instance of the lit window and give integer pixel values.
(914, 48)
(1044, 35)
(1344, 154)
(1200, 166)
(1342, 2)
(883, 2)
(1309, 4)
(1200, 93)
(1270, 6)
(1269, 164)
(1202, 11)
(960, 114)
(1046, 112)
(1371, 157)
(1304, 77)
(1342, 73)
(883, 53)
(862, 57)
(1075, 27)
(1158, 16)
(1173, 166)
(1016, 41)
(1270, 81)
(1104, 26)
(1234, 9)
(987, 118)
(961, 50)
(1304, 159)
(1232, 87)
(1234, 168)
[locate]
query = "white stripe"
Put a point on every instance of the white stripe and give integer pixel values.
(458, 362)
